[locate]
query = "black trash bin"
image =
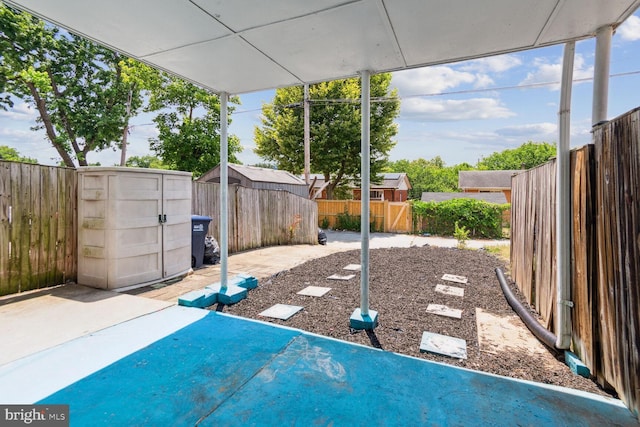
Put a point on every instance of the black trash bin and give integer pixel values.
(199, 227)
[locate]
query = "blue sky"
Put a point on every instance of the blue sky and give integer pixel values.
(459, 112)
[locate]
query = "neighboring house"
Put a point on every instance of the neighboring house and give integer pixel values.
(259, 178)
(393, 188)
(498, 198)
(487, 182)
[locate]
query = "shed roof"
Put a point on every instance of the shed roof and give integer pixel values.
(258, 174)
(239, 46)
(486, 179)
(497, 197)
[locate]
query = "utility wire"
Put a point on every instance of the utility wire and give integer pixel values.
(327, 101)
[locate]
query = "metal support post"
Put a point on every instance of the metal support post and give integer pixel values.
(563, 207)
(224, 192)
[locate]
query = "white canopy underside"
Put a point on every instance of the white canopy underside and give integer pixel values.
(239, 46)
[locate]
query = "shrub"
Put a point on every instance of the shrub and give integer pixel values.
(345, 221)
(324, 224)
(479, 218)
(462, 235)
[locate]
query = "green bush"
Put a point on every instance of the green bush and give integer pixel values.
(461, 234)
(345, 221)
(324, 224)
(480, 218)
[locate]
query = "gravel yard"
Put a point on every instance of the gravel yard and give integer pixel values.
(402, 285)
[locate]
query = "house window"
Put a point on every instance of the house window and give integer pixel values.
(376, 195)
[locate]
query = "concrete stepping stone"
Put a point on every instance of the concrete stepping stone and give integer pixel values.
(450, 290)
(443, 310)
(506, 333)
(339, 277)
(281, 311)
(454, 278)
(443, 345)
(314, 291)
(353, 267)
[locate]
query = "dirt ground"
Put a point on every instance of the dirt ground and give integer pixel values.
(402, 285)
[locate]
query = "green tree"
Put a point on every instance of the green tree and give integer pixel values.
(335, 123)
(84, 93)
(137, 78)
(528, 155)
(429, 175)
(189, 126)
(147, 161)
(8, 153)
(264, 165)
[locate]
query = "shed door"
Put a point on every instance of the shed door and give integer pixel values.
(136, 255)
(176, 237)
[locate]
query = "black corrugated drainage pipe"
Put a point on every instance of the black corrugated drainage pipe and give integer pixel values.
(532, 323)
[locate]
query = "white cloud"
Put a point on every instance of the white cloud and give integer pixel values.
(483, 81)
(430, 80)
(440, 110)
(144, 131)
(19, 135)
(547, 72)
(630, 29)
(22, 112)
(531, 131)
(438, 79)
(492, 64)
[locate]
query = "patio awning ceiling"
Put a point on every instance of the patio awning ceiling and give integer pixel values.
(240, 46)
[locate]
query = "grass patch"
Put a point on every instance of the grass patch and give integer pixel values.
(501, 251)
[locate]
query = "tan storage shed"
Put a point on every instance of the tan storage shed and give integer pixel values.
(134, 226)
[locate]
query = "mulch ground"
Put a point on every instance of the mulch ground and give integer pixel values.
(402, 283)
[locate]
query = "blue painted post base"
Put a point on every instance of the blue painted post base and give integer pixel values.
(244, 281)
(368, 322)
(231, 295)
(201, 298)
(576, 365)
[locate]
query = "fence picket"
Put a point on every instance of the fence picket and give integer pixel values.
(605, 251)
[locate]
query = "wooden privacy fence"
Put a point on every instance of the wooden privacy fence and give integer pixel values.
(605, 251)
(38, 222)
(258, 217)
(389, 217)
(37, 226)
(617, 179)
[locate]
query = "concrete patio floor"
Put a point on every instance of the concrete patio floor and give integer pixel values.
(217, 369)
(120, 359)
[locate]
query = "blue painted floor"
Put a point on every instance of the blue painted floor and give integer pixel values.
(223, 370)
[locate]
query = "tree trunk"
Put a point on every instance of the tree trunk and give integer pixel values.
(65, 121)
(48, 125)
(125, 133)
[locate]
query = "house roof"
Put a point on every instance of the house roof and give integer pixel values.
(240, 46)
(389, 180)
(257, 174)
(393, 180)
(495, 180)
(497, 197)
